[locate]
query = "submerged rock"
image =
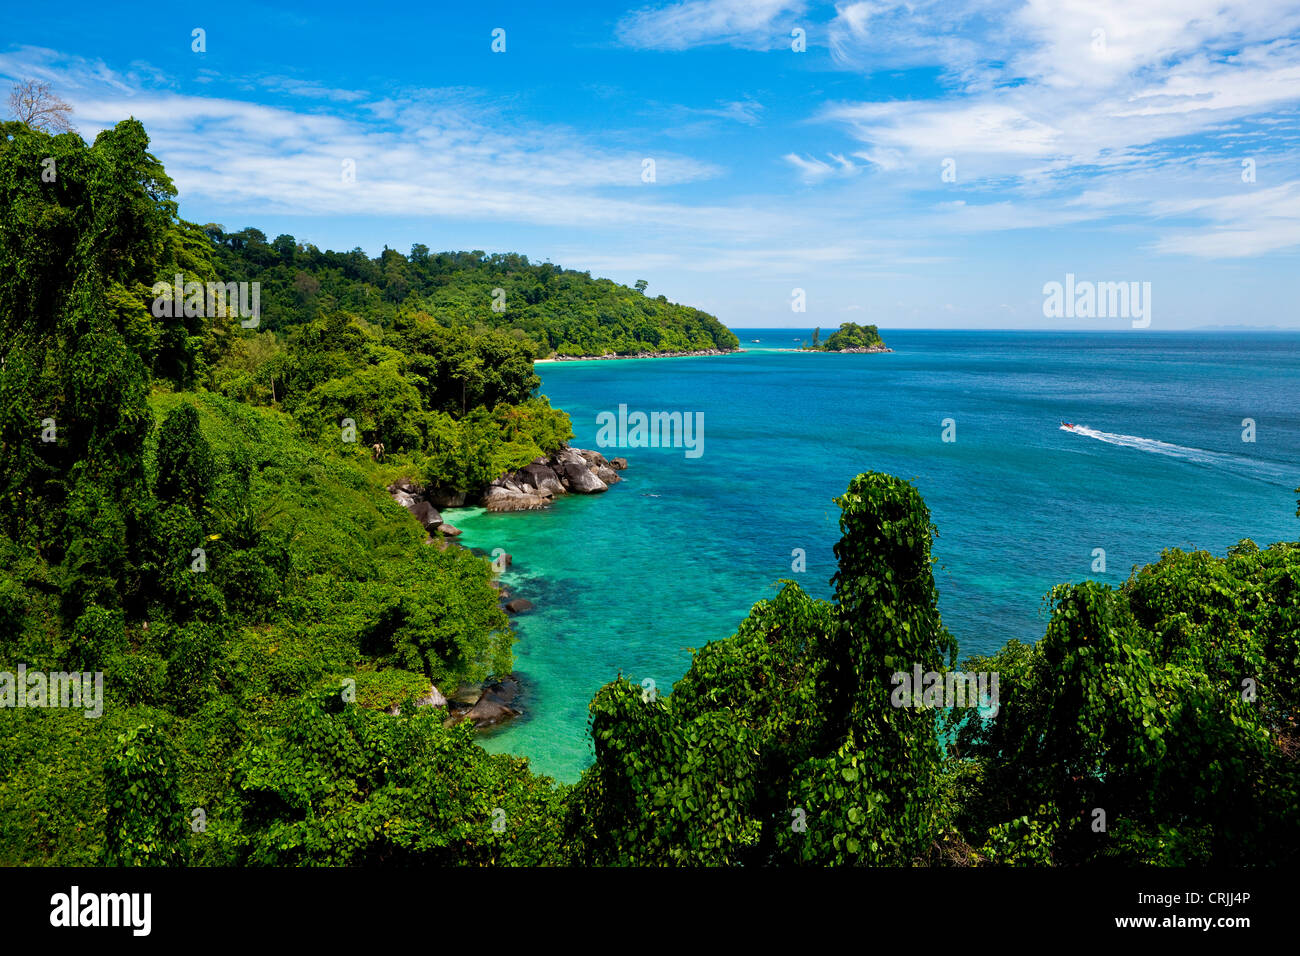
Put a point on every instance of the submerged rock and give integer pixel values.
(494, 704)
(519, 605)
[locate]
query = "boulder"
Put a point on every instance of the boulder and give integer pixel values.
(446, 499)
(499, 498)
(494, 705)
(433, 698)
(566, 455)
(606, 474)
(426, 514)
(537, 474)
(568, 470)
(406, 486)
(583, 482)
(550, 487)
(519, 605)
(592, 457)
(618, 464)
(449, 530)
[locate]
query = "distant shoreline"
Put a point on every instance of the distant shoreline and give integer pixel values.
(643, 355)
(863, 351)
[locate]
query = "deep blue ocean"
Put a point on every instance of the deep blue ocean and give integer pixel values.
(674, 556)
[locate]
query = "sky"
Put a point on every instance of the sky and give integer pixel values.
(916, 165)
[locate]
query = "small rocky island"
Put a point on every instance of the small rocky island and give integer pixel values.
(849, 337)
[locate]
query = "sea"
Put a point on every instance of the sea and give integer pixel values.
(1182, 440)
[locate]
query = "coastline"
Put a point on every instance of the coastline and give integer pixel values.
(642, 355)
(865, 351)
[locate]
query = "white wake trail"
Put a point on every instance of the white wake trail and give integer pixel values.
(1264, 471)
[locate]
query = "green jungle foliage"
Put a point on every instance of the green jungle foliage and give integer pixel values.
(184, 508)
(546, 309)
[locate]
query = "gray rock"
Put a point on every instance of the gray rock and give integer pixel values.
(566, 455)
(498, 498)
(583, 482)
(550, 487)
(433, 698)
(495, 704)
(519, 605)
(537, 474)
(446, 499)
(618, 464)
(406, 486)
(426, 514)
(606, 474)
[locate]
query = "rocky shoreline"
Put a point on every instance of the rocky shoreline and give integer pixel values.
(610, 357)
(484, 705)
(536, 485)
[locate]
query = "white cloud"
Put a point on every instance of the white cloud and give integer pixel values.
(750, 24)
(815, 170)
(1095, 110)
(435, 153)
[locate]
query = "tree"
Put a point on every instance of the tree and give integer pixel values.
(35, 104)
(77, 259)
(641, 286)
(185, 467)
(1169, 705)
(781, 744)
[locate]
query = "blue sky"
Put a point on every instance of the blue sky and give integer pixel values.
(1101, 139)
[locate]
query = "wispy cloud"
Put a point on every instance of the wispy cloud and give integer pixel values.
(750, 24)
(428, 153)
(1044, 101)
(816, 170)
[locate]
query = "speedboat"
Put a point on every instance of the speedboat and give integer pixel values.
(1068, 426)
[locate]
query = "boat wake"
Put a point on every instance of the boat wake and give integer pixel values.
(1247, 467)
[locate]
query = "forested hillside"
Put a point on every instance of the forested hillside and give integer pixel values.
(548, 309)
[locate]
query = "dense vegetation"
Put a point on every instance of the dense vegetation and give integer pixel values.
(183, 508)
(849, 335)
(547, 309)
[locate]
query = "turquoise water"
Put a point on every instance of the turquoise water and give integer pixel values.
(675, 555)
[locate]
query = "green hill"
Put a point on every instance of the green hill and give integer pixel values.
(550, 309)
